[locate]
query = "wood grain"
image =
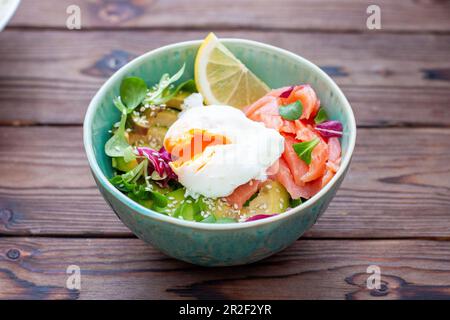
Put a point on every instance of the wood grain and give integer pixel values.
(35, 268)
(327, 15)
(49, 77)
(398, 186)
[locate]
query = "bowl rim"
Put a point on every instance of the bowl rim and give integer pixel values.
(101, 178)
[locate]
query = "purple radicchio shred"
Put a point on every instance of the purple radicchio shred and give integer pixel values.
(287, 93)
(259, 217)
(159, 163)
(330, 129)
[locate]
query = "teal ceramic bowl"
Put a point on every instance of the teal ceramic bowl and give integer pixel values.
(216, 244)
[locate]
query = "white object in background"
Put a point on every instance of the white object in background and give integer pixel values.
(7, 9)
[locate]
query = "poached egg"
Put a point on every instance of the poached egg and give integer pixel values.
(217, 148)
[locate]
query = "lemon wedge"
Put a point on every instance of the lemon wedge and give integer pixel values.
(222, 79)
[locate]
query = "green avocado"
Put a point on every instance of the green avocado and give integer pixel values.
(120, 164)
(271, 199)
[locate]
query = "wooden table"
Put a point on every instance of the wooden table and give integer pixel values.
(392, 211)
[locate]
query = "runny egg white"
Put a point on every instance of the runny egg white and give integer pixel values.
(218, 149)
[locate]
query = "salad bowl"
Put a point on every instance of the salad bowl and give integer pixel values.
(229, 243)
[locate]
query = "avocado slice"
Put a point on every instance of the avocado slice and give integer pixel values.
(271, 199)
(178, 100)
(164, 118)
(155, 137)
(150, 118)
(217, 207)
(174, 199)
(120, 164)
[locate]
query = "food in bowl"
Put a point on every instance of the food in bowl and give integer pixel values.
(223, 147)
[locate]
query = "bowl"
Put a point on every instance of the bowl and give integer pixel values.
(216, 244)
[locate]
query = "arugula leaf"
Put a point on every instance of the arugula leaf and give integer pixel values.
(291, 111)
(117, 145)
(163, 87)
(304, 149)
(132, 91)
(188, 86)
(321, 116)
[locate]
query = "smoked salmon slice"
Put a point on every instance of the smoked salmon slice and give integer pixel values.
(296, 165)
(285, 177)
(307, 97)
(319, 155)
(243, 193)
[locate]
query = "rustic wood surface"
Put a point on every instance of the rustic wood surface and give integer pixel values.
(393, 209)
(309, 269)
(288, 15)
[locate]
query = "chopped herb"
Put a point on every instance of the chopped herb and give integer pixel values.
(291, 111)
(321, 116)
(304, 149)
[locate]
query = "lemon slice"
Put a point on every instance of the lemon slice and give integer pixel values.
(222, 79)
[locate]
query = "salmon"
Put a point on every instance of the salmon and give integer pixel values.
(334, 150)
(319, 155)
(334, 160)
(265, 110)
(307, 97)
(243, 193)
(284, 176)
(251, 110)
(288, 127)
(296, 165)
(299, 179)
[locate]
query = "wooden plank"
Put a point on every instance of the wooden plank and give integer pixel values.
(327, 15)
(49, 77)
(398, 186)
(35, 268)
